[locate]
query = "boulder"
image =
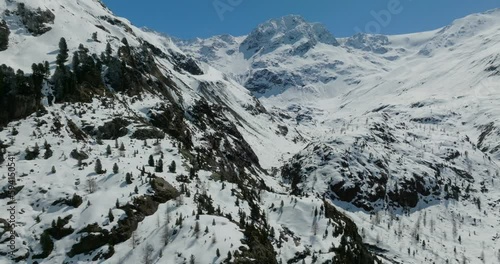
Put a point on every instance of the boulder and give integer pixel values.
(114, 129)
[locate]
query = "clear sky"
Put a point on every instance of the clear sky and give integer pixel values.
(203, 18)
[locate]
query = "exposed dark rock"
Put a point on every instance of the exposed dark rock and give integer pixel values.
(383, 132)
(78, 155)
(256, 109)
(16, 107)
(234, 156)
(35, 20)
(260, 248)
(346, 192)
(283, 130)
(187, 64)
(427, 120)
(6, 193)
(351, 249)
(4, 35)
(164, 191)
(47, 246)
(360, 181)
(58, 231)
(147, 133)
(117, 22)
(292, 173)
(141, 207)
(486, 130)
(170, 119)
(77, 133)
(75, 201)
(367, 42)
(405, 195)
(89, 243)
(463, 174)
(114, 129)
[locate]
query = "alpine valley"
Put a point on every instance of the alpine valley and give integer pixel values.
(287, 145)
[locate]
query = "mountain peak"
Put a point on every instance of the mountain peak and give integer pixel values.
(287, 30)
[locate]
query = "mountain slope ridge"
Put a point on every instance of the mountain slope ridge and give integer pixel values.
(405, 127)
(187, 177)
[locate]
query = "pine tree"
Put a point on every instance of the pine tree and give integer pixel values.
(48, 152)
(109, 51)
(62, 57)
(136, 190)
(179, 220)
(192, 260)
(128, 178)
(197, 228)
(171, 168)
(115, 168)
(122, 147)
(53, 170)
(151, 161)
(159, 166)
(217, 253)
(192, 173)
(76, 63)
(47, 68)
(98, 167)
(108, 150)
(110, 215)
(2, 158)
(94, 37)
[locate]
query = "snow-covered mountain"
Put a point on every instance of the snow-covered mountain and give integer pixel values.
(133, 147)
(126, 150)
(292, 54)
(402, 131)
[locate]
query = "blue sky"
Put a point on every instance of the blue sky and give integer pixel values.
(203, 18)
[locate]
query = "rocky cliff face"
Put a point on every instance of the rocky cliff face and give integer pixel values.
(378, 44)
(288, 30)
(188, 155)
(4, 35)
(36, 21)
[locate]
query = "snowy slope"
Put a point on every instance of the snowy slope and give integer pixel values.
(404, 130)
(219, 198)
(386, 144)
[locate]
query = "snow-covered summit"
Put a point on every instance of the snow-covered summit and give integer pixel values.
(287, 30)
(404, 126)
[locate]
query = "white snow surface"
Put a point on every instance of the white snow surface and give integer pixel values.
(330, 95)
(436, 91)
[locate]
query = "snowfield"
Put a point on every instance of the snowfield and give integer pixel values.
(305, 148)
